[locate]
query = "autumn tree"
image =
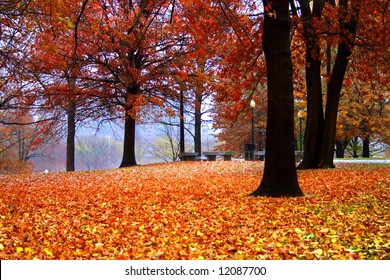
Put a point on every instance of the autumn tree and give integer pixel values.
(241, 77)
(53, 67)
(131, 46)
(363, 104)
(333, 27)
(14, 38)
(235, 134)
(311, 13)
(207, 27)
(280, 177)
(20, 142)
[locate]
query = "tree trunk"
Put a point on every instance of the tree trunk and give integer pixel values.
(366, 147)
(280, 177)
(332, 104)
(198, 123)
(315, 115)
(128, 158)
(182, 140)
(340, 148)
(348, 25)
(70, 137)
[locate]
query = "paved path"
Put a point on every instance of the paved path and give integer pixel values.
(380, 161)
(383, 161)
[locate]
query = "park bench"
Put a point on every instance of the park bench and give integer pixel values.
(212, 156)
(260, 155)
(189, 156)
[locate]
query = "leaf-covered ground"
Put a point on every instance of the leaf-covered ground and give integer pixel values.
(196, 210)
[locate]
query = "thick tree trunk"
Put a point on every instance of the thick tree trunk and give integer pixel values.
(349, 15)
(70, 137)
(315, 115)
(128, 158)
(366, 147)
(280, 177)
(332, 104)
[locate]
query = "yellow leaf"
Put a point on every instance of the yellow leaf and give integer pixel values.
(318, 252)
(164, 240)
(279, 244)
(95, 255)
(298, 230)
(282, 239)
(26, 214)
(19, 249)
(28, 250)
(198, 233)
(141, 227)
(48, 252)
(1, 247)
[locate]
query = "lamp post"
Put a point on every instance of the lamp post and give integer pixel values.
(300, 116)
(253, 105)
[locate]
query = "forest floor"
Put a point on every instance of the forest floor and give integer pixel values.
(195, 210)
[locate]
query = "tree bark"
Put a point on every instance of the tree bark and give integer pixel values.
(315, 115)
(348, 25)
(340, 148)
(366, 147)
(70, 137)
(182, 139)
(280, 177)
(128, 158)
(332, 104)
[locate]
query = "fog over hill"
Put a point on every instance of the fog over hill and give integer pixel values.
(102, 148)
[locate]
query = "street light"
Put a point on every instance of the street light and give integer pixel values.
(253, 148)
(301, 115)
(253, 105)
